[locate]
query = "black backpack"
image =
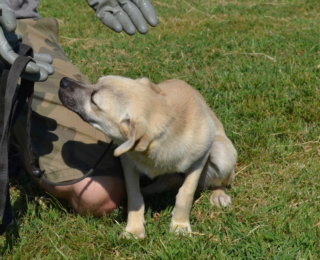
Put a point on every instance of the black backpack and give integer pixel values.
(13, 98)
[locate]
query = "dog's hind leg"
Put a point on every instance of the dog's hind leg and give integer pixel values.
(219, 170)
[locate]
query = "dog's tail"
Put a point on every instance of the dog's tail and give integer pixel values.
(167, 182)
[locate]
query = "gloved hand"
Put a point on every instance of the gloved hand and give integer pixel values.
(127, 15)
(40, 68)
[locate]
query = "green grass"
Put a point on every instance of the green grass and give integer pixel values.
(257, 63)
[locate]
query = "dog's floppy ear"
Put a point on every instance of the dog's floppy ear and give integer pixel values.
(133, 131)
(143, 143)
(153, 86)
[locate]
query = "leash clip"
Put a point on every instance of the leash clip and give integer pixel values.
(37, 172)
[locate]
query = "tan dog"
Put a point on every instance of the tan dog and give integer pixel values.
(160, 129)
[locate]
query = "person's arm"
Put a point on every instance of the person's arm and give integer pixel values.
(126, 15)
(40, 68)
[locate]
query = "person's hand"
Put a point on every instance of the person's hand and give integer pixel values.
(40, 68)
(127, 15)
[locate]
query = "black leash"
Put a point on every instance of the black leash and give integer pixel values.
(12, 100)
(40, 174)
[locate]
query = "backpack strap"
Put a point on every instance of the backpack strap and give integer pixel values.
(12, 100)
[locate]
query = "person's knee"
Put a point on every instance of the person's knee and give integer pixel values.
(97, 196)
(94, 208)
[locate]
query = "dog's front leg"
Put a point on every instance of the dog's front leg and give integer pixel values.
(180, 216)
(135, 222)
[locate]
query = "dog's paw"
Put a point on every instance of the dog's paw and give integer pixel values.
(220, 199)
(129, 235)
(180, 228)
(137, 233)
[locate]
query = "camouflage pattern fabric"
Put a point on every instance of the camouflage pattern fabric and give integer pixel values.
(67, 146)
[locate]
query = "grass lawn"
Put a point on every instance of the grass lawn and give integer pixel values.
(257, 63)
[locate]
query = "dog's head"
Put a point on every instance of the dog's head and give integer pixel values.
(120, 107)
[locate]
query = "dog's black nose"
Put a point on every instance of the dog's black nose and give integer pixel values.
(65, 82)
